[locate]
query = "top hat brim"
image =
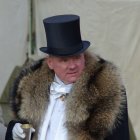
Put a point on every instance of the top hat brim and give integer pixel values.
(84, 44)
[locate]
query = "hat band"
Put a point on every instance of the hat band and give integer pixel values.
(65, 50)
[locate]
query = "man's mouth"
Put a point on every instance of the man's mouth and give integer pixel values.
(72, 73)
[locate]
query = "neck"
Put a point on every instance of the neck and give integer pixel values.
(57, 79)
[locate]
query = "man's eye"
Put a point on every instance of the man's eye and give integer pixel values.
(77, 56)
(65, 60)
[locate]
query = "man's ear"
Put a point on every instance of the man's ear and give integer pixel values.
(50, 62)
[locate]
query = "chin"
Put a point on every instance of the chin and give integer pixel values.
(73, 80)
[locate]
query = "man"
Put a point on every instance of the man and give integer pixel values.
(70, 95)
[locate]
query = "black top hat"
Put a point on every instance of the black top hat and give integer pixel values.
(63, 36)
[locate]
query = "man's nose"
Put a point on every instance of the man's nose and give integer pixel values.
(72, 64)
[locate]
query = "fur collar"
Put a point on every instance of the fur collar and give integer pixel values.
(93, 107)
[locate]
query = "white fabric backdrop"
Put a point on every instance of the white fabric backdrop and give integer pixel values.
(13, 36)
(113, 28)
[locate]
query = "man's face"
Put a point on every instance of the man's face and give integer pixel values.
(68, 68)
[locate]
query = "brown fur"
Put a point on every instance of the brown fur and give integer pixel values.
(92, 109)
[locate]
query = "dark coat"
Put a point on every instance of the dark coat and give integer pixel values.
(95, 110)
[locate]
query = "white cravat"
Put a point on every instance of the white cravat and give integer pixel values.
(53, 124)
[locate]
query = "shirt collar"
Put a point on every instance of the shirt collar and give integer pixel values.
(60, 82)
(59, 88)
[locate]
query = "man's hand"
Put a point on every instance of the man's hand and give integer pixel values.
(18, 133)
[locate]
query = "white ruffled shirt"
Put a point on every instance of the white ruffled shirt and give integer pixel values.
(53, 124)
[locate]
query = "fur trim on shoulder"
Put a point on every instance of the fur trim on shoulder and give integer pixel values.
(97, 100)
(31, 92)
(92, 109)
(15, 100)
